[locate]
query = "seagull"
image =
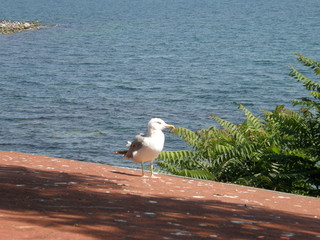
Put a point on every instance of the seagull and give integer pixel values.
(147, 148)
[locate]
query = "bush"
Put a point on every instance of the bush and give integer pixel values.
(281, 151)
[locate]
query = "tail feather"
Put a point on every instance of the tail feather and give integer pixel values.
(122, 152)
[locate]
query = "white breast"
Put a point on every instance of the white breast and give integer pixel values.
(152, 146)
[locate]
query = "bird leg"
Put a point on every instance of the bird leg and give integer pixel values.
(142, 168)
(151, 168)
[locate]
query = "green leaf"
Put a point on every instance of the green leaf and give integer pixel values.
(308, 83)
(182, 154)
(191, 138)
(232, 128)
(251, 120)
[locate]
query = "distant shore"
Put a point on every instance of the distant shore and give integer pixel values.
(8, 27)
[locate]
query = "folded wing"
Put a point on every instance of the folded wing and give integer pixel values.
(135, 146)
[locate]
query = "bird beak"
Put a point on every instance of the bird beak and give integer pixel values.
(170, 126)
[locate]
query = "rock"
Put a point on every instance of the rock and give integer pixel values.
(27, 25)
(7, 27)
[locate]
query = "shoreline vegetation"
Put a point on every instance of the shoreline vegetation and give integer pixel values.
(9, 27)
(279, 150)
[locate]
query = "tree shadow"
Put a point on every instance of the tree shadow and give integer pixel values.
(100, 208)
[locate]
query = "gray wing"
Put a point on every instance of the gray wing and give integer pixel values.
(135, 146)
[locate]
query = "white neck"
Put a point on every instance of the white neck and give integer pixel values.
(154, 132)
(155, 139)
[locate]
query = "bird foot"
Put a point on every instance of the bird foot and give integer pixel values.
(154, 176)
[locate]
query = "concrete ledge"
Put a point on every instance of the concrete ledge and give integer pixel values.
(50, 198)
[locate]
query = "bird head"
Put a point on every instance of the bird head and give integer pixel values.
(158, 124)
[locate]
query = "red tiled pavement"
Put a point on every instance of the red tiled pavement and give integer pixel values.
(50, 198)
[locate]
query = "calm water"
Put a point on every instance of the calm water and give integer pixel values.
(85, 86)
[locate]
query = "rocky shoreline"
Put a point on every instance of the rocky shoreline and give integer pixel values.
(8, 27)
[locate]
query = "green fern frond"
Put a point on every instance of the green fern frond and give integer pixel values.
(199, 174)
(308, 83)
(290, 114)
(181, 170)
(309, 62)
(215, 134)
(308, 103)
(172, 155)
(251, 120)
(220, 149)
(169, 168)
(232, 128)
(315, 94)
(262, 179)
(234, 163)
(266, 113)
(304, 101)
(191, 138)
(286, 123)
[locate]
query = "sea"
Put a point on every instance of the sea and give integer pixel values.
(89, 81)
